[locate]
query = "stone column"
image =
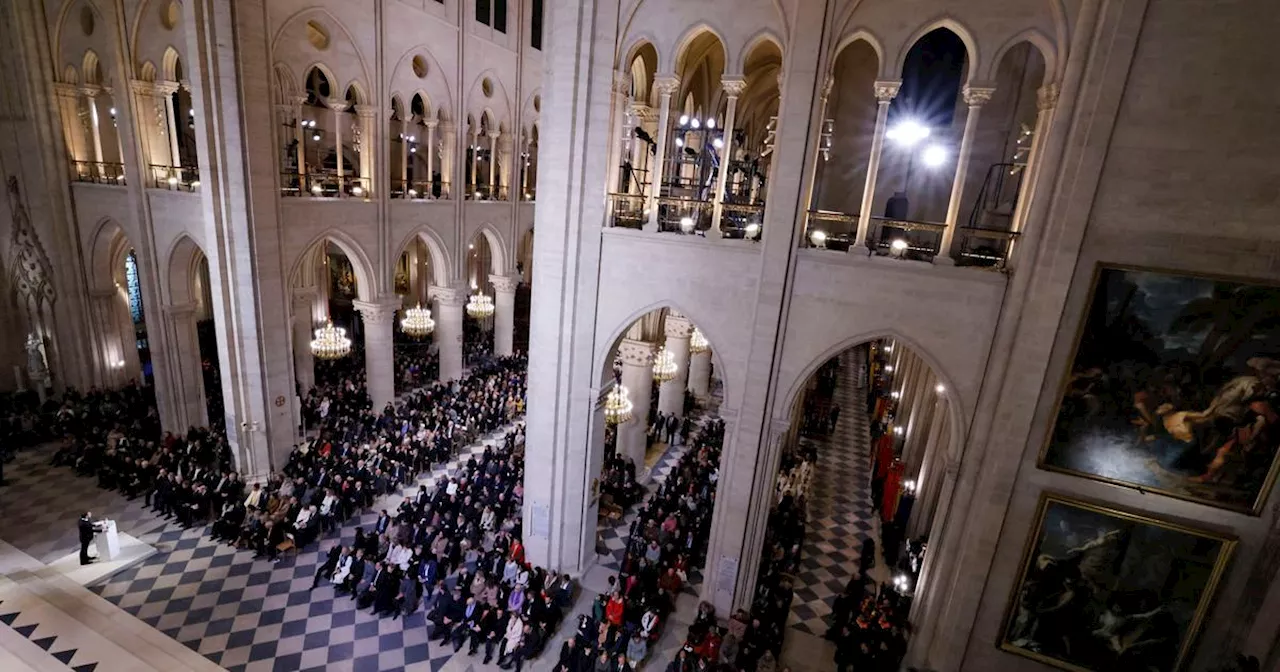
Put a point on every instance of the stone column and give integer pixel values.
(700, 374)
(300, 138)
(365, 115)
(886, 91)
(188, 369)
(1046, 101)
(475, 164)
(447, 146)
(504, 314)
(975, 97)
(665, 85)
(448, 337)
(102, 308)
(493, 164)
(172, 125)
(431, 158)
(405, 140)
(304, 369)
(733, 87)
(72, 129)
(338, 107)
(95, 129)
(639, 154)
(637, 377)
(934, 459)
(671, 393)
(379, 351)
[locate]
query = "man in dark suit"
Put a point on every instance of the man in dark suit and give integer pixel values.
(86, 536)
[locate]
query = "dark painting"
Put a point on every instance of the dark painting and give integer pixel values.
(1107, 590)
(1173, 388)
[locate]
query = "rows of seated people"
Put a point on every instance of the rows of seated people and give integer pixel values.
(666, 539)
(359, 455)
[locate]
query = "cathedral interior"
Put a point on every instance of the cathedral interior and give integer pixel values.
(807, 335)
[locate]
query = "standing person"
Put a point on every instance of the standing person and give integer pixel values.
(86, 536)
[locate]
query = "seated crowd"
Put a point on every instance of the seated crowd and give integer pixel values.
(667, 537)
(359, 455)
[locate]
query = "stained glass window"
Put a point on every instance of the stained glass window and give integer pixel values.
(135, 289)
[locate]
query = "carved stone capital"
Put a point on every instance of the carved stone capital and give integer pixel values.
(377, 312)
(338, 106)
(65, 90)
(977, 96)
(887, 89)
(494, 134)
(366, 111)
(621, 82)
(298, 100)
(1047, 97)
(734, 85)
(504, 284)
(90, 90)
(449, 296)
(677, 326)
(636, 353)
(431, 123)
(828, 85)
(666, 85)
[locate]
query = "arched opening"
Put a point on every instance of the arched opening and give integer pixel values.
(529, 164)
(922, 143)
(481, 309)
(640, 129)
(327, 282)
(415, 151)
(746, 151)
(197, 369)
(322, 140)
(860, 471)
(657, 450)
(98, 113)
(1003, 149)
(845, 146)
(417, 360)
(119, 310)
(184, 165)
(483, 169)
(691, 159)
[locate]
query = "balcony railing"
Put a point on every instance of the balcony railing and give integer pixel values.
(183, 178)
(683, 215)
(742, 220)
(905, 239)
(424, 190)
(98, 172)
(323, 185)
(485, 192)
(986, 248)
(838, 228)
(530, 194)
(627, 210)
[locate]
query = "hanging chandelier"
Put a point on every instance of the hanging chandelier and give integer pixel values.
(617, 405)
(480, 305)
(664, 366)
(330, 342)
(417, 322)
(698, 342)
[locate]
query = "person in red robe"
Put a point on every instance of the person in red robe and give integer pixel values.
(892, 490)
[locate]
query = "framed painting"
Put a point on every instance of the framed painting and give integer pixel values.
(1102, 589)
(1174, 388)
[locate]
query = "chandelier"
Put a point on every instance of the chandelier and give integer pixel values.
(664, 366)
(480, 305)
(417, 322)
(330, 342)
(617, 405)
(698, 343)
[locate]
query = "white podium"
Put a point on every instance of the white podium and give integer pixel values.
(107, 540)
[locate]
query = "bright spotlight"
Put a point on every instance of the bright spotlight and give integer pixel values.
(939, 388)
(711, 123)
(934, 156)
(684, 119)
(718, 143)
(908, 132)
(695, 123)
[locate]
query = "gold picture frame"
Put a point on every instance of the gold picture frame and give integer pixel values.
(1056, 457)
(1094, 612)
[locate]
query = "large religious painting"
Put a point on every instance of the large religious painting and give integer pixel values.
(1104, 590)
(1174, 388)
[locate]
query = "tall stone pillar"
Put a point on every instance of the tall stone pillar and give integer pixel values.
(933, 461)
(338, 107)
(188, 371)
(95, 127)
(504, 313)
(671, 393)
(304, 368)
(171, 123)
(700, 374)
(975, 97)
(446, 153)
(103, 308)
(379, 350)
(365, 118)
(665, 85)
(733, 87)
(448, 314)
(637, 377)
(72, 127)
(886, 91)
(431, 160)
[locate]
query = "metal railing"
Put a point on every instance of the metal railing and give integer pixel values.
(98, 172)
(905, 239)
(683, 215)
(627, 210)
(985, 248)
(530, 194)
(839, 228)
(183, 178)
(485, 192)
(324, 185)
(420, 190)
(742, 220)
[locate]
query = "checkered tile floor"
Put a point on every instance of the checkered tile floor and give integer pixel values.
(839, 515)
